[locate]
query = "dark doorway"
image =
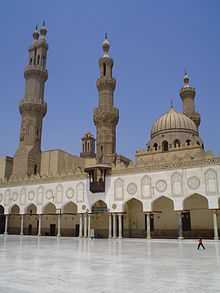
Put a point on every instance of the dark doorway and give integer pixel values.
(2, 220)
(30, 229)
(77, 230)
(186, 221)
(52, 229)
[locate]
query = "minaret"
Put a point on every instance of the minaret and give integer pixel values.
(106, 116)
(32, 107)
(187, 93)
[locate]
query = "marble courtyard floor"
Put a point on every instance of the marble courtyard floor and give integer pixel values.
(47, 264)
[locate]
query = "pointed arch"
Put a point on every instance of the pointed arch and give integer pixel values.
(70, 208)
(99, 206)
(49, 208)
(15, 209)
(134, 221)
(2, 219)
(195, 201)
(162, 202)
(31, 209)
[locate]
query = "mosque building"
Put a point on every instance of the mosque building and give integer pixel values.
(170, 189)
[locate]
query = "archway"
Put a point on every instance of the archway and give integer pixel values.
(134, 220)
(70, 220)
(14, 220)
(99, 219)
(31, 220)
(2, 220)
(165, 219)
(201, 221)
(49, 220)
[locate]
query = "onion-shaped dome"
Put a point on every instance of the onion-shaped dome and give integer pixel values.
(173, 121)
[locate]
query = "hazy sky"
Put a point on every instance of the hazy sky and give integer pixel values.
(152, 42)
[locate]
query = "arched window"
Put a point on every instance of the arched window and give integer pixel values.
(188, 142)
(35, 169)
(38, 59)
(176, 143)
(198, 142)
(165, 146)
(155, 146)
(30, 62)
(104, 69)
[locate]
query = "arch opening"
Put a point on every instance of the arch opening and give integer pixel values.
(2, 220)
(165, 219)
(70, 220)
(134, 220)
(49, 220)
(99, 219)
(200, 217)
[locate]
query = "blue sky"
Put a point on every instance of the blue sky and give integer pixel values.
(152, 42)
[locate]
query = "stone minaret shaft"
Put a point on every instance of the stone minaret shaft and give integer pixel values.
(32, 108)
(106, 116)
(187, 94)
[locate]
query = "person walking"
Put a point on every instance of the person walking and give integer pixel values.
(200, 244)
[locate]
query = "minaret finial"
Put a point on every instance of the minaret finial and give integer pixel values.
(106, 46)
(186, 79)
(36, 33)
(43, 30)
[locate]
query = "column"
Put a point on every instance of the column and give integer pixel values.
(85, 226)
(114, 225)
(180, 225)
(148, 226)
(58, 224)
(80, 225)
(119, 225)
(89, 224)
(110, 225)
(22, 224)
(39, 224)
(215, 224)
(6, 224)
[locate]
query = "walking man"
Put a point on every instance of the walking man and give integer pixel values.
(200, 244)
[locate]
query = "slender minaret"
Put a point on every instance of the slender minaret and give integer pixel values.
(106, 116)
(187, 93)
(32, 108)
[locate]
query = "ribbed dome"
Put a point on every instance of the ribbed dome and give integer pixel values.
(173, 120)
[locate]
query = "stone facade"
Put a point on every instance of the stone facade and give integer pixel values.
(171, 189)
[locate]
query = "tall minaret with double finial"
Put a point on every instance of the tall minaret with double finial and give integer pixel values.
(187, 94)
(32, 107)
(106, 116)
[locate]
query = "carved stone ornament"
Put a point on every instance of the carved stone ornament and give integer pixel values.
(83, 207)
(132, 188)
(114, 206)
(161, 185)
(70, 193)
(193, 182)
(49, 194)
(31, 195)
(15, 196)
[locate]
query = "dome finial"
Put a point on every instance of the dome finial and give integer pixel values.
(106, 46)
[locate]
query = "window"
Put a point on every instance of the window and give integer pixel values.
(35, 169)
(188, 142)
(104, 69)
(30, 62)
(198, 142)
(165, 146)
(155, 146)
(38, 59)
(176, 143)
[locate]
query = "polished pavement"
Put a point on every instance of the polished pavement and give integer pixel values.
(47, 264)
